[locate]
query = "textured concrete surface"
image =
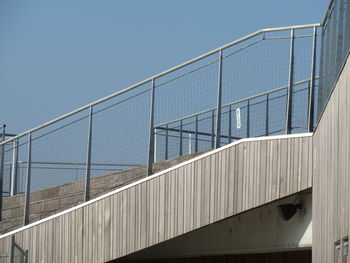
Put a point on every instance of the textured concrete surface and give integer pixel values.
(52, 200)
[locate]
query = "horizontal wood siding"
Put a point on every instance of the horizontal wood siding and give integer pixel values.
(224, 183)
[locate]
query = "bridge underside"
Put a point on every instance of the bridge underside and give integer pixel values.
(300, 256)
(260, 233)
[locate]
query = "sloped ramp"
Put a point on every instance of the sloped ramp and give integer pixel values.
(216, 185)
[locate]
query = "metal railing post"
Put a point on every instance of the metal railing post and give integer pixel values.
(88, 158)
(288, 127)
(196, 136)
(190, 143)
(180, 146)
(312, 84)
(166, 141)
(248, 118)
(2, 159)
(218, 105)
(151, 132)
(155, 145)
(229, 124)
(267, 116)
(321, 75)
(27, 189)
(13, 189)
(212, 129)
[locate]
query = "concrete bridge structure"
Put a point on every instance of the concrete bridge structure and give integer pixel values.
(222, 204)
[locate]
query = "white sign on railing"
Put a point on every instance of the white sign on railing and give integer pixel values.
(238, 117)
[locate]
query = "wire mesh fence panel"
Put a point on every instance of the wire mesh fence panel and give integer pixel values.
(120, 132)
(257, 117)
(303, 44)
(7, 169)
(259, 65)
(277, 112)
(335, 39)
(252, 76)
(12, 152)
(300, 107)
(185, 92)
(57, 150)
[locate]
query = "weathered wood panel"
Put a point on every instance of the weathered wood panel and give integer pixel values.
(209, 188)
(331, 191)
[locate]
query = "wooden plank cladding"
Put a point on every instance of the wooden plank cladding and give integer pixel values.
(208, 188)
(331, 191)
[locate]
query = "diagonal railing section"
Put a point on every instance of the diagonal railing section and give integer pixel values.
(259, 85)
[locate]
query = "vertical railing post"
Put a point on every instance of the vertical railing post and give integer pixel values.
(288, 126)
(180, 146)
(321, 92)
(151, 132)
(229, 124)
(267, 116)
(155, 145)
(2, 159)
(196, 136)
(13, 187)
(248, 118)
(28, 178)
(218, 104)
(88, 158)
(190, 151)
(212, 129)
(312, 84)
(166, 141)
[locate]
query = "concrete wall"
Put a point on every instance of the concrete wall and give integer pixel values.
(261, 230)
(220, 184)
(331, 191)
(52, 200)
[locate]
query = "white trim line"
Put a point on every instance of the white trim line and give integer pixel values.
(265, 138)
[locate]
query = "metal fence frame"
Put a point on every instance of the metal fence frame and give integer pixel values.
(151, 81)
(335, 46)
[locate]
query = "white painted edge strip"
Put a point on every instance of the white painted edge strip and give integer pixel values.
(265, 138)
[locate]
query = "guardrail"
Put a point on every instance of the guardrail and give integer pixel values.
(335, 46)
(244, 118)
(122, 127)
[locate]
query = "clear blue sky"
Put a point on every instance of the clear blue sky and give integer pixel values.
(56, 56)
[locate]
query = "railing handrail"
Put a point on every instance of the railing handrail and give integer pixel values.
(327, 13)
(158, 76)
(78, 163)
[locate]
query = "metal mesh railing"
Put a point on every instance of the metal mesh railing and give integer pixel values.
(335, 39)
(261, 115)
(259, 85)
